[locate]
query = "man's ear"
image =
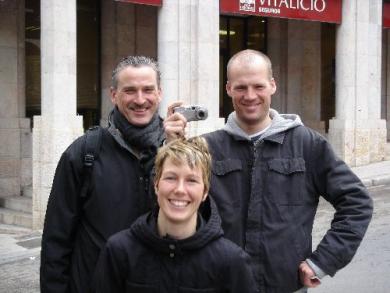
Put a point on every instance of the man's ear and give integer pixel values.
(113, 93)
(228, 88)
(273, 85)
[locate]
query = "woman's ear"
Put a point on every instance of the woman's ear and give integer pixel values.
(205, 196)
(155, 188)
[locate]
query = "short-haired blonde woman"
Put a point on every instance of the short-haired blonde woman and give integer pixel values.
(176, 248)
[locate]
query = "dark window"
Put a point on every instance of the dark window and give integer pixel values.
(88, 58)
(33, 57)
(236, 34)
(328, 72)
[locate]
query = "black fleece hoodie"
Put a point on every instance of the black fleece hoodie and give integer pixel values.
(139, 260)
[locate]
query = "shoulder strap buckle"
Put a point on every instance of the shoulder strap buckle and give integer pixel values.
(91, 153)
(88, 160)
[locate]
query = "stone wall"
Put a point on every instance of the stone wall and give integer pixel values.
(15, 135)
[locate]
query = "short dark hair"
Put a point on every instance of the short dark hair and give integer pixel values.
(135, 61)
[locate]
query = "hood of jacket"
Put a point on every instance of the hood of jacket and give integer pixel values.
(145, 230)
(279, 123)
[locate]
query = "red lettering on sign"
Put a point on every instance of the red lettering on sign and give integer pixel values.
(317, 10)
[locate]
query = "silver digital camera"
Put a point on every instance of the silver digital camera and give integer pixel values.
(192, 113)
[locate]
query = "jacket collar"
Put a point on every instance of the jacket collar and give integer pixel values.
(277, 138)
(144, 229)
(279, 124)
(117, 135)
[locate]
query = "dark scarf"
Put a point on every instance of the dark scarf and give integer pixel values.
(147, 139)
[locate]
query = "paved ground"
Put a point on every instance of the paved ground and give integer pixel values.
(21, 276)
(369, 271)
(19, 260)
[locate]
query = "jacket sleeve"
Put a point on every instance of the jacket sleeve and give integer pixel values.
(110, 274)
(337, 183)
(60, 226)
(239, 277)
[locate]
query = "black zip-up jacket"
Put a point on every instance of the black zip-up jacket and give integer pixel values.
(267, 195)
(139, 260)
(76, 229)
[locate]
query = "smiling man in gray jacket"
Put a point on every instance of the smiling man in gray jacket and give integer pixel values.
(269, 171)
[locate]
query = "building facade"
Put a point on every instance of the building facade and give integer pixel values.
(330, 61)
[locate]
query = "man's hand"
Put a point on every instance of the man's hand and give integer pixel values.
(174, 123)
(307, 276)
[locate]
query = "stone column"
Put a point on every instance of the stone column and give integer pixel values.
(311, 75)
(117, 41)
(304, 72)
(386, 77)
(126, 29)
(188, 53)
(386, 87)
(15, 135)
(59, 123)
(109, 41)
(357, 132)
(294, 66)
(277, 40)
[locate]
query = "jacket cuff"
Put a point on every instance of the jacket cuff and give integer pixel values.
(317, 270)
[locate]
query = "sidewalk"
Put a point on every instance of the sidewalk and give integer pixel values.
(19, 243)
(374, 174)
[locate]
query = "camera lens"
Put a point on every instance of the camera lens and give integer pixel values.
(201, 114)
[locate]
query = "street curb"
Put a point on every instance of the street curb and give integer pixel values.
(379, 180)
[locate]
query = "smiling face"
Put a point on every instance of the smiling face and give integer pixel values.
(180, 191)
(137, 94)
(251, 87)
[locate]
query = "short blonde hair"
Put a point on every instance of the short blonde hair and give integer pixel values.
(248, 57)
(193, 151)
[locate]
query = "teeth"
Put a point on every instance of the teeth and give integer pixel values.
(178, 203)
(137, 108)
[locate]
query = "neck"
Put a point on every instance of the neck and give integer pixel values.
(254, 128)
(176, 230)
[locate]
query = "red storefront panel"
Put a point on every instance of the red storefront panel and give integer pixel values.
(147, 2)
(317, 10)
(386, 15)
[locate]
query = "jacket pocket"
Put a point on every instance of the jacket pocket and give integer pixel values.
(286, 180)
(226, 181)
(140, 288)
(221, 168)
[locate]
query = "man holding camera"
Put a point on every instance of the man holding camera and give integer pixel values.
(268, 173)
(119, 189)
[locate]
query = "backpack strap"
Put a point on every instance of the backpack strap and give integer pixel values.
(93, 142)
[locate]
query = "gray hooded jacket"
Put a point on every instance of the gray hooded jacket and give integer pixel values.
(279, 123)
(267, 194)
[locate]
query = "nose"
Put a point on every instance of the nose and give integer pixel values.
(139, 99)
(180, 187)
(250, 93)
